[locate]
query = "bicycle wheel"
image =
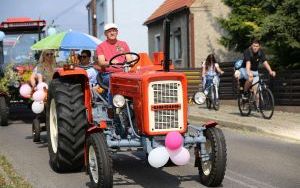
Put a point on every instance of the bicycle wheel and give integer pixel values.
(215, 98)
(208, 103)
(209, 98)
(244, 106)
(266, 103)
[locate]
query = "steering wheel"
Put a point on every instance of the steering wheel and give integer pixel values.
(130, 63)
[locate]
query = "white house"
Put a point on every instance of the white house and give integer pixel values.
(128, 15)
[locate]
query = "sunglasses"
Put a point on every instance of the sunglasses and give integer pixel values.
(49, 54)
(84, 56)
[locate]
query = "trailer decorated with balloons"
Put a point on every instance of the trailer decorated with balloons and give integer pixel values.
(148, 112)
(38, 95)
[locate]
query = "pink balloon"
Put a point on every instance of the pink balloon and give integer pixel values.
(25, 91)
(180, 156)
(173, 140)
(41, 86)
(39, 95)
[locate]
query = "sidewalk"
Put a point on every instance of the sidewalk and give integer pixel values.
(283, 124)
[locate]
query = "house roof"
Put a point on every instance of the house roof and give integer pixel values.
(167, 7)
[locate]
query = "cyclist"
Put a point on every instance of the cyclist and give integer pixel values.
(210, 69)
(253, 56)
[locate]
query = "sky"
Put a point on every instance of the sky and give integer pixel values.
(130, 21)
(72, 14)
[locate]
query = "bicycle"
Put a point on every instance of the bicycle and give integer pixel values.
(266, 100)
(210, 93)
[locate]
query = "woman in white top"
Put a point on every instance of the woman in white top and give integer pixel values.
(86, 64)
(210, 69)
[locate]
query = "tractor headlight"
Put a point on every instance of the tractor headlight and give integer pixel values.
(118, 101)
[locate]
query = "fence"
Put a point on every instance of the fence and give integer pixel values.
(285, 86)
(194, 77)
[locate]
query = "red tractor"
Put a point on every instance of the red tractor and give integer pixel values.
(149, 101)
(20, 34)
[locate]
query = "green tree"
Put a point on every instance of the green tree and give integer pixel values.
(275, 22)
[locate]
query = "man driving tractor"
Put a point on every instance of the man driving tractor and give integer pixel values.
(108, 49)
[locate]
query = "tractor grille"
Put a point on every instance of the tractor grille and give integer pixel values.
(166, 119)
(165, 93)
(165, 105)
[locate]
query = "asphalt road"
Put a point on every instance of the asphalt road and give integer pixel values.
(253, 161)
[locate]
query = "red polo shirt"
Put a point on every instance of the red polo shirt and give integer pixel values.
(110, 50)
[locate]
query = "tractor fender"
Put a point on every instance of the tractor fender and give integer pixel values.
(210, 124)
(62, 72)
(81, 76)
(97, 128)
(93, 129)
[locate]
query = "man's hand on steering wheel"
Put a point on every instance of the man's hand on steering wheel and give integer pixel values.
(113, 60)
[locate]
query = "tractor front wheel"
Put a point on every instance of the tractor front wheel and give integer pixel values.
(3, 112)
(99, 161)
(212, 171)
(66, 122)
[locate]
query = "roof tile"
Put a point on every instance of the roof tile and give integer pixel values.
(167, 7)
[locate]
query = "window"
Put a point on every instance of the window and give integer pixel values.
(157, 43)
(177, 44)
(101, 31)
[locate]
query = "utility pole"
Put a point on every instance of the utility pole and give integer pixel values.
(113, 11)
(94, 19)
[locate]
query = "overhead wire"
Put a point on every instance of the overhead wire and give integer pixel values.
(66, 10)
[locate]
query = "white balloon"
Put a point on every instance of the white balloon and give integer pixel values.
(39, 95)
(37, 107)
(180, 156)
(158, 157)
(41, 86)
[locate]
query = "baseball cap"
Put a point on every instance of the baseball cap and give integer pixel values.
(110, 26)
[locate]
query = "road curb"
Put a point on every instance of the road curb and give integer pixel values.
(237, 126)
(227, 124)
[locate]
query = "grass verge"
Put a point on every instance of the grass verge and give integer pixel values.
(8, 176)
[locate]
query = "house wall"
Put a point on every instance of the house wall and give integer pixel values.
(90, 18)
(207, 31)
(104, 15)
(179, 22)
(129, 16)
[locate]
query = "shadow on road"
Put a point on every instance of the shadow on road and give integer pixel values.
(135, 170)
(253, 114)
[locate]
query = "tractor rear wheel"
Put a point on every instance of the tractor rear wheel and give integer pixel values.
(3, 112)
(99, 161)
(66, 122)
(212, 171)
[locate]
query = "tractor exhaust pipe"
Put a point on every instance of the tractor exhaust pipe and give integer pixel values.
(166, 28)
